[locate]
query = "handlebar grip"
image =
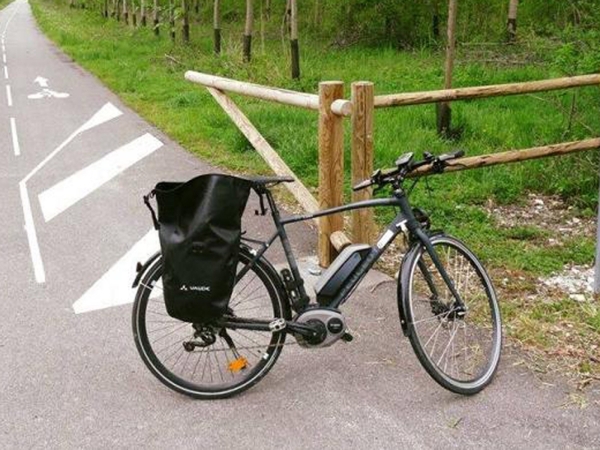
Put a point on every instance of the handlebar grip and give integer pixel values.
(452, 155)
(363, 184)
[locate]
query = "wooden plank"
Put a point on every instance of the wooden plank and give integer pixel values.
(419, 98)
(286, 97)
(513, 156)
(363, 94)
(331, 167)
(298, 190)
(340, 241)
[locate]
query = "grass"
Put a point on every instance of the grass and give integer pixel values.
(147, 73)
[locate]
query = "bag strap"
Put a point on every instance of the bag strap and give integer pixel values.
(147, 202)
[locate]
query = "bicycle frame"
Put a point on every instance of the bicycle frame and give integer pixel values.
(404, 222)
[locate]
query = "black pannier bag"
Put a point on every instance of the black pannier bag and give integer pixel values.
(199, 223)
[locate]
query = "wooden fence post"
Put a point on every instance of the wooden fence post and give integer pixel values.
(331, 166)
(363, 100)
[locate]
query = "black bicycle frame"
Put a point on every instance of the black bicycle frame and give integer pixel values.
(404, 222)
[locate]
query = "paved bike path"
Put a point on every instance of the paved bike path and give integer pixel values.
(72, 380)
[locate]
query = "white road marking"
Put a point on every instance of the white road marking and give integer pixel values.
(114, 287)
(34, 247)
(106, 113)
(15, 137)
(71, 190)
(16, 8)
(4, 58)
(3, 48)
(47, 93)
(43, 82)
(6, 72)
(8, 95)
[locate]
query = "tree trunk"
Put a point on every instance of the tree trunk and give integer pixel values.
(294, 41)
(172, 20)
(435, 21)
(444, 111)
(133, 14)
(105, 9)
(217, 26)
(125, 12)
(248, 31)
(511, 26)
(185, 29)
(156, 18)
(318, 19)
(143, 12)
(197, 7)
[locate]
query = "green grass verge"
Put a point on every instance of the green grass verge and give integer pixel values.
(147, 73)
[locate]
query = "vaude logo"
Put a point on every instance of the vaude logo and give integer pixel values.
(185, 288)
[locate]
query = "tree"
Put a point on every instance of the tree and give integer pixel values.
(511, 26)
(248, 30)
(444, 112)
(217, 26)
(294, 40)
(185, 29)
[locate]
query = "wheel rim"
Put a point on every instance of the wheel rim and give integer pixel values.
(216, 369)
(463, 349)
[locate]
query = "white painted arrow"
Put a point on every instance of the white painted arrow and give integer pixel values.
(43, 82)
(114, 288)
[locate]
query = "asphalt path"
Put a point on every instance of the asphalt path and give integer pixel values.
(74, 165)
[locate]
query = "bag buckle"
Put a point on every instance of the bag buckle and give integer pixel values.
(277, 325)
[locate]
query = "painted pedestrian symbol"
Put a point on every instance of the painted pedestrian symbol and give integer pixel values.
(45, 92)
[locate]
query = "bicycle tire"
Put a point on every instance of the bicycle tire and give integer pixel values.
(169, 360)
(473, 367)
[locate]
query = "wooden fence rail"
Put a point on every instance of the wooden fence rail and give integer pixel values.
(332, 108)
(495, 90)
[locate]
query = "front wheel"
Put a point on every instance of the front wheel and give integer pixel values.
(459, 348)
(206, 362)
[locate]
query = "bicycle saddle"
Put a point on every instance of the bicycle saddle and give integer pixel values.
(271, 180)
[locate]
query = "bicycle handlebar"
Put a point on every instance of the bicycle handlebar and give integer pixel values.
(438, 163)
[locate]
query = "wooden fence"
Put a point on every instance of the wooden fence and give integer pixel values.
(332, 108)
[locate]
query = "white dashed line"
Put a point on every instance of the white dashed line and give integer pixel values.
(4, 58)
(8, 95)
(6, 72)
(15, 137)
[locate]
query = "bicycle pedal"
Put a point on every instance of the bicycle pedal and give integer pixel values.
(347, 337)
(238, 364)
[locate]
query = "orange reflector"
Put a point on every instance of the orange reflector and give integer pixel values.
(238, 364)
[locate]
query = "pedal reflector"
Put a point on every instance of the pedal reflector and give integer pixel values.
(238, 364)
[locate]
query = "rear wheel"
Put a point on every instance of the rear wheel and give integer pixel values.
(207, 362)
(460, 349)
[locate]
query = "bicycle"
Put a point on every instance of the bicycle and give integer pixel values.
(447, 304)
